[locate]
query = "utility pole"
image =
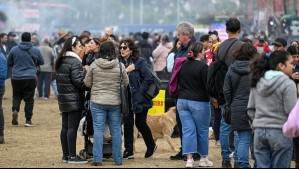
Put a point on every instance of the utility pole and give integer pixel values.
(141, 12)
(132, 11)
(178, 10)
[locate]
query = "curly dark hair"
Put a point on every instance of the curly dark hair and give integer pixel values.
(262, 64)
(132, 46)
(245, 52)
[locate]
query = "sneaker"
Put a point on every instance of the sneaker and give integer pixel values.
(29, 123)
(150, 152)
(178, 156)
(128, 155)
(65, 159)
(2, 140)
(96, 164)
(77, 160)
(15, 118)
(190, 163)
(205, 162)
(226, 164)
(196, 157)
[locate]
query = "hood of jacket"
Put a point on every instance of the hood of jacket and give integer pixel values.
(106, 64)
(270, 82)
(25, 45)
(240, 67)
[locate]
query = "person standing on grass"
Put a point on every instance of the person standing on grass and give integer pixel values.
(3, 74)
(70, 85)
(24, 59)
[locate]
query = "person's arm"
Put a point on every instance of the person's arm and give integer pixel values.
(88, 78)
(77, 75)
(227, 88)
(147, 78)
(170, 62)
(251, 105)
(289, 97)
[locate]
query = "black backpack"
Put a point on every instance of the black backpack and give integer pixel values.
(216, 77)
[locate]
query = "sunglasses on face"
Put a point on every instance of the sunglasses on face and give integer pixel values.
(123, 47)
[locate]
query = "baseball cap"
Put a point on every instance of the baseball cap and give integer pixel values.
(280, 42)
(11, 34)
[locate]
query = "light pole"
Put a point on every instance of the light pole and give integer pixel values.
(141, 12)
(132, 11)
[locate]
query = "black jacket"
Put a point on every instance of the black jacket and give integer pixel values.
(70, 85)
(239, 118)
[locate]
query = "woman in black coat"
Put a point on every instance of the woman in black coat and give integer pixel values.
(70, 85)
(236, 92)
(140, 79)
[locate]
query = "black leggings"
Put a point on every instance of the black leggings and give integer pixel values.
(68, 135)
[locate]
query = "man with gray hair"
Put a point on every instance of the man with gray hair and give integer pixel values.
(24, 60)
(185, 34)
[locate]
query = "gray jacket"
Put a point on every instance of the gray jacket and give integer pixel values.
(272, 100)
(48, 55)
(104, 80)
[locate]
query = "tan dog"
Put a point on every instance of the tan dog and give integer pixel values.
(161, 127)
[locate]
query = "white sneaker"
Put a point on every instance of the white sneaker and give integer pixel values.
(205, 162)
(190, 163)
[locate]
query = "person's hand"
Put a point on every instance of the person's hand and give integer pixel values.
(130, 68)
(109, 31)
(295, 76)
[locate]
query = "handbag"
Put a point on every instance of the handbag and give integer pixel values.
(154, 87)
(123, 94)
(227, 109)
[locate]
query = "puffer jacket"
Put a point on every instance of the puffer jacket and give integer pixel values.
(104, 80)
(139, 80)
(70, 85)
(240, 94)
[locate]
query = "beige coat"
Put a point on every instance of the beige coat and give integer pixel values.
(103, 77)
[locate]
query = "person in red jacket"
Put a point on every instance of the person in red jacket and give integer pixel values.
(262, 47)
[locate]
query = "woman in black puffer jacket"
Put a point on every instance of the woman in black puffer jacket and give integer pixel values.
(70, 85)
(236, 92)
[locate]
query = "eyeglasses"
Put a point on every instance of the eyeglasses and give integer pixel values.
(123, 47)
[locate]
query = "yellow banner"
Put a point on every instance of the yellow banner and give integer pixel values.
(159, 104)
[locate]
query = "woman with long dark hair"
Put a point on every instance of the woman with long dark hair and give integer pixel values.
(69, 78)
(140, 79)
(272, 97)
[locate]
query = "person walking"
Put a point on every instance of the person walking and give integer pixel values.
(3, 74)
(194, 106)
(140, 78)
(69, 77)
(44, 78)
(24, 60)
(103, 78)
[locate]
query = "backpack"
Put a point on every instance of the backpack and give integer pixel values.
(216, 77)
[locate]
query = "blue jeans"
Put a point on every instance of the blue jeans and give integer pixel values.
(225, 130)
(243, 140)
(54, 87)
(195, 117)
(272, 149)
(99, 115)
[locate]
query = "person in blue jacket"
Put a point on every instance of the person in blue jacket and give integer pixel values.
(3, 73)
(24, 60)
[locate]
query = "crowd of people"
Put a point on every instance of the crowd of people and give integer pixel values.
(260, 88)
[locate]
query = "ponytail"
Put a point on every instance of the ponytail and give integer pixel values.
(262, 64)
